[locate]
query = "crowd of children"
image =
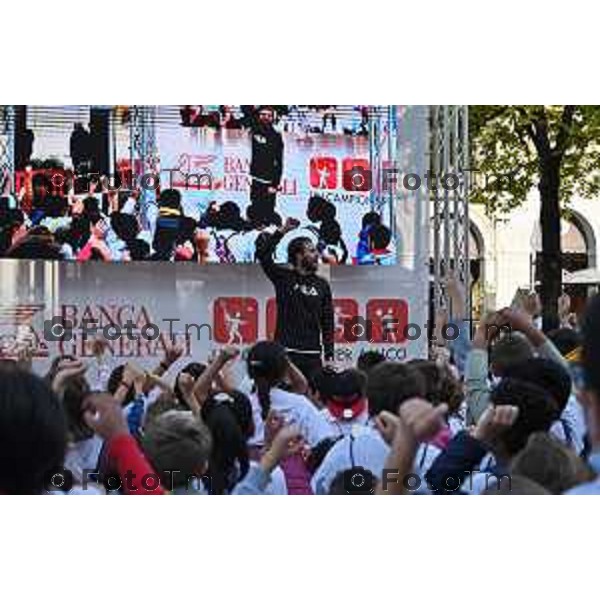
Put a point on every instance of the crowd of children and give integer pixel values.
(506, 412)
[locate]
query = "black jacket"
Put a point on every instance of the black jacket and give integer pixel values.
(267, 155)
(305, 318)
(453, 467)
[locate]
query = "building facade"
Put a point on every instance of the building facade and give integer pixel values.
(504, 250)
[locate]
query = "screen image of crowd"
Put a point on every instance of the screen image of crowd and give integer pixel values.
(344, 120)
(59, 211)
(509, 410)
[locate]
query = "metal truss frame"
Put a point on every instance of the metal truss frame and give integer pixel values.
(383, 136)
(7, 142)
(143, 151)
(449, 129)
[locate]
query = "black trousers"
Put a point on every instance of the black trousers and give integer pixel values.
(262, 199)
(309, 364)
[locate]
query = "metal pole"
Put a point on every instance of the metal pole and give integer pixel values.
(435, 196)
(393, 160)
(447, 256)
(464, 137)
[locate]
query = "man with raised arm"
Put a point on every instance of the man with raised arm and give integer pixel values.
(305, 320)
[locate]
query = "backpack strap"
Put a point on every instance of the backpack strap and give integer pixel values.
(423, 456)
(567, 431)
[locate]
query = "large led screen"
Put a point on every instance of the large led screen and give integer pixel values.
(198, 183)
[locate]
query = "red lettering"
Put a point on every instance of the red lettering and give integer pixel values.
(143, 318)
(143, 347)
(233, 164)
(126, 346)
(68, 348)
(161, 342)
(85, 348)
(69, 313)
(235, 183)
(121, 320)
(88, 315)
(109, 314)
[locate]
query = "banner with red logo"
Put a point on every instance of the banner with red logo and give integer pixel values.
(201, 310)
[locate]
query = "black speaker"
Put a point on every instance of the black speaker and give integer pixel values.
(23, 138)
(100, 140)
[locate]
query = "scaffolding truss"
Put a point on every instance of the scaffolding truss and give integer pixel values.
(449, 199)
(144, 154)
(7, 144)
(383, 137)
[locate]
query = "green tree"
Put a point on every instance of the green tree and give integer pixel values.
(517, 148)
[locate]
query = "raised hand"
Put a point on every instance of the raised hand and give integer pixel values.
(134, 376)
(519, 320)
(493, 422)
(98, 346)
(387, 424)
(422, 418)
(532, 305)
(113, 201)
(456, 294)
(480, 339)
(417, 422)
(68, 370)
(173, 352)
(186, 385)
(287, 442)
(228, 353)
(274, 423)
(290, 224)
(564, 307)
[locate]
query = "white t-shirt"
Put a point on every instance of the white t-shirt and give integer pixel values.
(277, 485)
(242, 245)
(83, 456)
(346, 427)
(297, 410)
(366, 448)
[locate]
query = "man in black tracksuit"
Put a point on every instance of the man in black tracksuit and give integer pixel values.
(266, 167)
(305, 319)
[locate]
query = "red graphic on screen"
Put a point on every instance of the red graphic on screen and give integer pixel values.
(389, 318)
(355, 163)
(345, 311)
(236, 320)
(356, 175)
(271, 318)
(324, 173)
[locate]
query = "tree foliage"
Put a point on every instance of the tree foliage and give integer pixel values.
(511, 146)
(554, 148)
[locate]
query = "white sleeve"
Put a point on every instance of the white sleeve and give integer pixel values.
(315, 425)
(277, 486)
(334, 462)
(571, 428)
